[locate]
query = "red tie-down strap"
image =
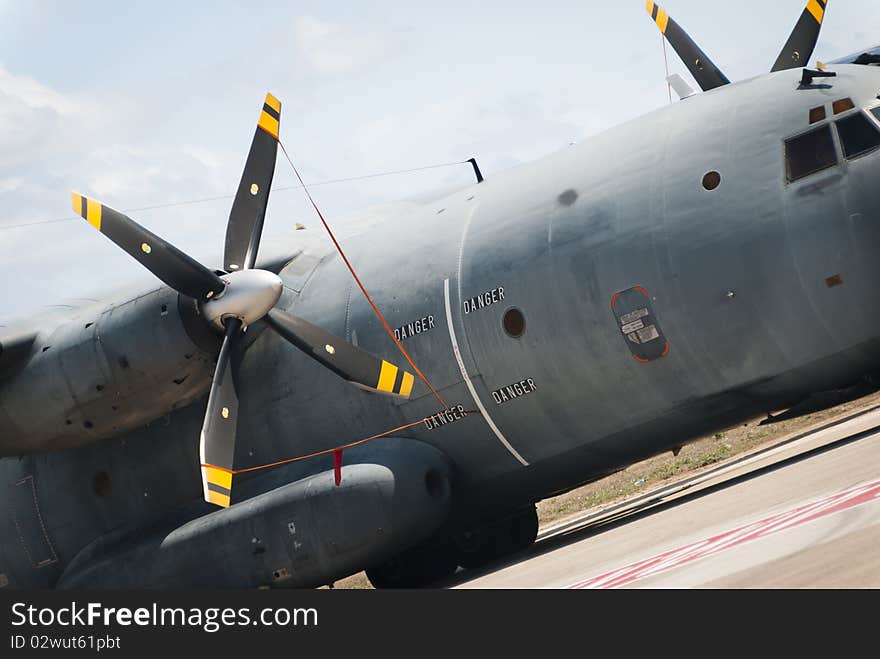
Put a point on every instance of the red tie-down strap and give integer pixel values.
(337, 466)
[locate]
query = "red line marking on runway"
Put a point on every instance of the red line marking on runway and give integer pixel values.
(854, 496)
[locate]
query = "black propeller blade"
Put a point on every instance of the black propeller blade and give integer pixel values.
(707, 75)
(800, 45)
(249, 298)
(346, 360)
(217, 439)
(249, 208)
(181, 272)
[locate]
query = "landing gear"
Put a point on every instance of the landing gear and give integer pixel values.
(482, 545)
(472, 548)
(417, 567)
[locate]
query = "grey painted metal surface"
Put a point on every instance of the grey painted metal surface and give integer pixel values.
(109, 368)
(300, 533)
(762, 288)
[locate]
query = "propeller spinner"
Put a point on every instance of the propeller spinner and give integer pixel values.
(237, 298)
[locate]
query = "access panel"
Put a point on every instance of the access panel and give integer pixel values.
(638, 324)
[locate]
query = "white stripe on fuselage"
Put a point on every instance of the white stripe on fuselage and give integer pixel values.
(467, 380)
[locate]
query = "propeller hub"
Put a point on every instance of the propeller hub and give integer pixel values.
(248, 296)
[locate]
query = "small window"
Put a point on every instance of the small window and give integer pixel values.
(817, 114)
(711, 180)
(876, 113)
(809, 153)
(843, 105)
(514, 323)
(857, 135)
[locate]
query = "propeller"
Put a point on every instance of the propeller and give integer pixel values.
(217, 439)
(178, 270)
(346, 360)
(707, 75)
(800, 45)
(233, 300)
(796, 52)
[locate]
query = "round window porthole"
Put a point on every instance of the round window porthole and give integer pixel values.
(711, 180)
(514, 323)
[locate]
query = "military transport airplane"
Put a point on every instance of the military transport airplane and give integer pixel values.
(271, 422)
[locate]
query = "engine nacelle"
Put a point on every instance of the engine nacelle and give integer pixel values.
(303, 534)
(105, 370)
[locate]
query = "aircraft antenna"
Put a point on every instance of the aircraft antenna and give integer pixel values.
(477, 173)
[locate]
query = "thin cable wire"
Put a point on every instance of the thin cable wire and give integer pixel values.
(326, 451)
(666, 63)
(299, 458)
(366, 176)
(188, 202)
(30, 224)
(360, 284)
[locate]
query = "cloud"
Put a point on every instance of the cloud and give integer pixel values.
(143, 175)
(51, 143)
(333, 48)
(33, 119)
(36, 95)
(10, 184)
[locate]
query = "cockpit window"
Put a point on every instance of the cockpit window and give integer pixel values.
(876, 113)
(817, 114)
(809, 153)
(858, 135)
(842, 105)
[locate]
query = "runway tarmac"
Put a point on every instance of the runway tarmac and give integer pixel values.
(802, 514)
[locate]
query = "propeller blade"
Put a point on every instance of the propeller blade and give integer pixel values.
(217, 440)
(346, 360)
(249, 208)
(707, 75)
(799, 47)
(181, 272)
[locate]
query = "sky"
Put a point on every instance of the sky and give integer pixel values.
(141, 104)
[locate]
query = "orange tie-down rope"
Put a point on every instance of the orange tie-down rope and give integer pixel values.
(361, 286)
(335, 450)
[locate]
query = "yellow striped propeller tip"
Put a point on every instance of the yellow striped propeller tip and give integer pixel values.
(273, 102)
(817, 9)
(658, 15)
(88, 209)
(393, 380)
(270, 117)
(217, 482)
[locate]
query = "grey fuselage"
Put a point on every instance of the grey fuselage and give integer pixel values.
(764, 291)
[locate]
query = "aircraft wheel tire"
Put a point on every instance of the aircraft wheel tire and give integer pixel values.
(415, 568)
(523, 530)
(489, 543)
